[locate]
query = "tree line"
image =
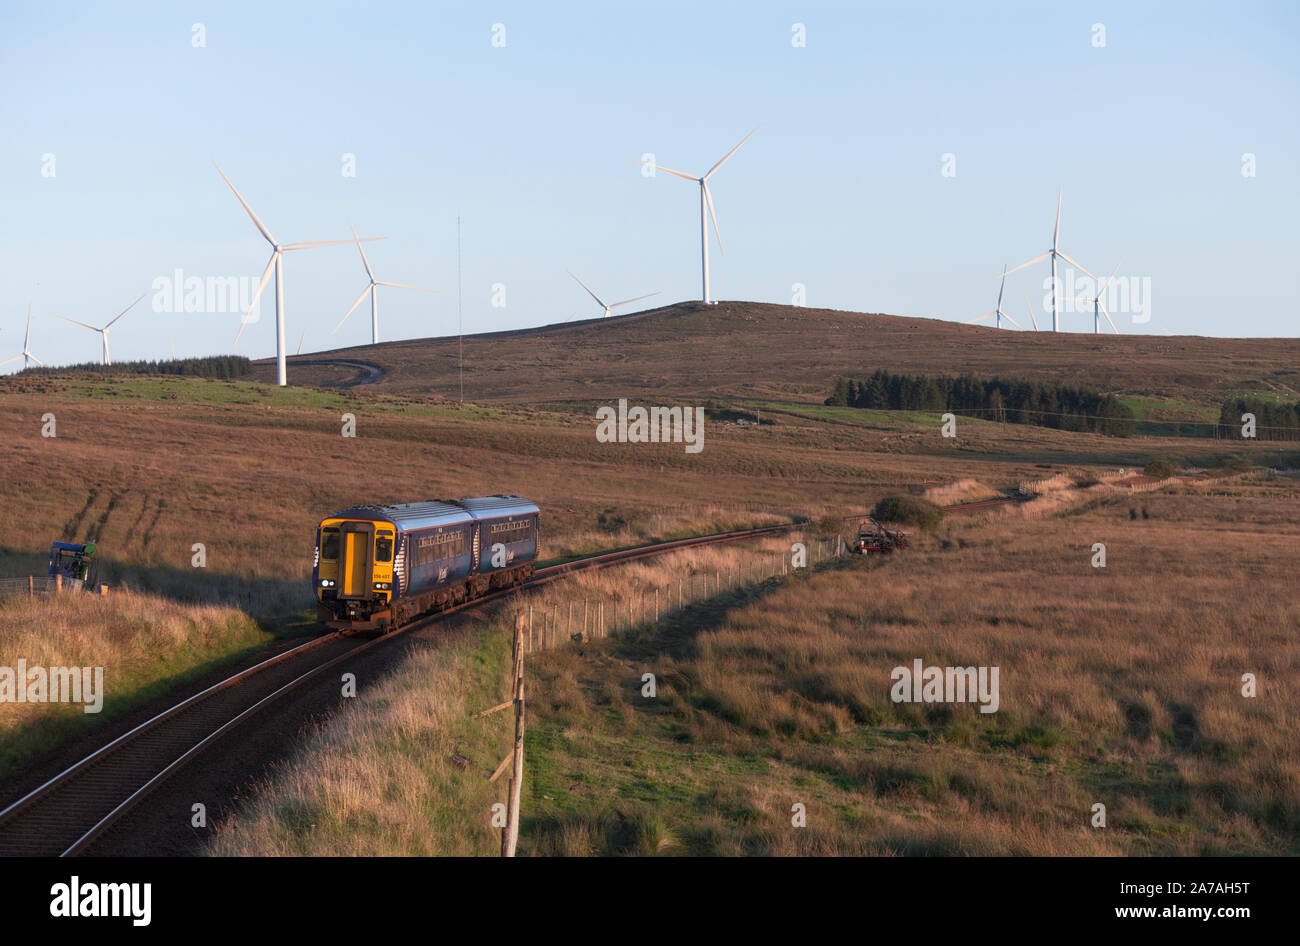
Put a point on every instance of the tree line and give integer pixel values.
(1012, 401)
(1273, 420)
(212, 366)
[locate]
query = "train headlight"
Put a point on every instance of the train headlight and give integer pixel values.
(382, 585)
(326, 583)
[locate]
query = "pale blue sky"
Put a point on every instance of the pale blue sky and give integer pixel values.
(840, 190)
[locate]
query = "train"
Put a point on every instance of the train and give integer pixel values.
(379, 567)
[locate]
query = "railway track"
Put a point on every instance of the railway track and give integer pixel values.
(983, 504)
(70, 811)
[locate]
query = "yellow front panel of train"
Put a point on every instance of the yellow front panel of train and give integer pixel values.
(355, 559)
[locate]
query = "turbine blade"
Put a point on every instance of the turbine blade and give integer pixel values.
(1030, 309)
(312, 244)
(1108, 279)
(364, 262)
(1108, 318)
(351, 310)
(7, 360)
(266, 275)
(125, 311)
(659, 167)
(27, 337)
(730, 153)
(73, 321)
(34, 358)
(588, 288)
(257, 223)
(1002, 286)
(1056, 228)
(980, 319)
(1076, 265)
(1011, 320)
(1008, 272)
(637, 299)
(402, 285)
(708, 199)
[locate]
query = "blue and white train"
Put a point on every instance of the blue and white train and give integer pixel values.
(378, 567)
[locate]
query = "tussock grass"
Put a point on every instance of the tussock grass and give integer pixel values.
(968, 490)
(1120, 686)
(145, 644)
(381, 779)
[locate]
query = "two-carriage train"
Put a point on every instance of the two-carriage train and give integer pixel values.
(378, 567)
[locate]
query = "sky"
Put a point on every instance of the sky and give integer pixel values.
(905, 153)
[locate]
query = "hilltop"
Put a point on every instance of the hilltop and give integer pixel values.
(751, 349)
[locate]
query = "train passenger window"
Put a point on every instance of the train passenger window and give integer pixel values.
(329, 545)
(384, 547)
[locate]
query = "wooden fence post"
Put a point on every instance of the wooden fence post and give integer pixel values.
(31, 587)
(510, 835)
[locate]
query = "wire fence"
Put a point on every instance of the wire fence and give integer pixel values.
(586, 619)
(30, 586)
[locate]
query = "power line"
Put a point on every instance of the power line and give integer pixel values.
(460, 319)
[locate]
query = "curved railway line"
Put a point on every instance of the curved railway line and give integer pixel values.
(66, 814)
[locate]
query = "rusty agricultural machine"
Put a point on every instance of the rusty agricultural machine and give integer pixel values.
(875, 539)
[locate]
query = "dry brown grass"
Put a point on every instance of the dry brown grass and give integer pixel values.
(144, 643)
(1120, 686)
(962, 491)
(380, 780)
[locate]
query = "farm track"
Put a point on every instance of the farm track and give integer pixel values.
(66, 814)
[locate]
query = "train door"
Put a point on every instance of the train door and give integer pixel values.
(356, 541)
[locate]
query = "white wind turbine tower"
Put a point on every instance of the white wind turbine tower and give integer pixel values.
(27, 351)
(102, 331)
(706, 201)
(610, 307)
(1098, 309)
(372, 289)
(1054, 252)
(997, 313)
(274, 263)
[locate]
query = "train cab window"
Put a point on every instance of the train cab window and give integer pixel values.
(384, 547)
(329, 545)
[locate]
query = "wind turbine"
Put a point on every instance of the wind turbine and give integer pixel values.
(27, 352)
(706, 201)
(610, 307)
(997, 313)
(1097, 308)
(274, 263)
(374, 295)
(1054, 252)
(102, 331)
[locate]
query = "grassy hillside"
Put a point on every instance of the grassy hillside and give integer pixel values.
(748, 349)
(1119, 686)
